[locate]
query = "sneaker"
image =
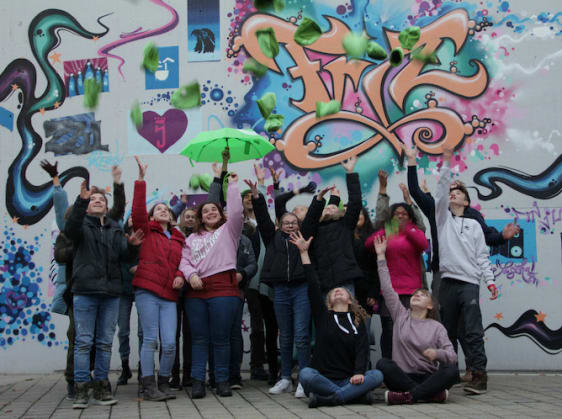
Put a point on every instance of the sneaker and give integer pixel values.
(70, 390)
(440, 397)
(299, 394)
(395, 397)
(174, 383)
(102, 393)
(479, 383)
(259, 374)
(81, 397)
(236, 383)
(283, 386)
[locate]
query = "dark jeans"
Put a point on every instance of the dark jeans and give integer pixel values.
(421, 386)
(124, 326)
(314, 382)
(184, 331)
(261, 311)
(462, 298)
(271, 334)
(387, 326)
(292, 310)
(211, 321)
(95, 320)
(70, 334)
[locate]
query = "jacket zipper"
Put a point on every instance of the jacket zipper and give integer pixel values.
(288, 263)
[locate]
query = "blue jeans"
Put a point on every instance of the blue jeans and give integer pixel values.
(314, 382)
(292, 310)
(93, 313)
(211, 321)
(157, 316)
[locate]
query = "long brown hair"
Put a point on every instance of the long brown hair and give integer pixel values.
(359, 312)
(199, 226)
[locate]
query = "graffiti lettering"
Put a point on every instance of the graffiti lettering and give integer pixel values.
(513, 271)
(547, 218)
(383, 86)
(76, 134)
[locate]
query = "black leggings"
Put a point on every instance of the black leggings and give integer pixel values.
(421, 386)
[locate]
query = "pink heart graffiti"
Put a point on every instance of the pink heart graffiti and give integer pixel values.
(163, 131)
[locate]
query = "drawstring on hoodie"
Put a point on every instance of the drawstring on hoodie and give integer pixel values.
(350, 322)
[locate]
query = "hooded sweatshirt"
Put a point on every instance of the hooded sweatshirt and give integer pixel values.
(463, 254)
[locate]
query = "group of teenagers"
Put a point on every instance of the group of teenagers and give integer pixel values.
(313, 277)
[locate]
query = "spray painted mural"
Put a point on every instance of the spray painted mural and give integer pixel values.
(492, 92)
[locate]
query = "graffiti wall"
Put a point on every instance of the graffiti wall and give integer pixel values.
(492, 90)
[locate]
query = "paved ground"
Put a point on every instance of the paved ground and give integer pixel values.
(509, 395)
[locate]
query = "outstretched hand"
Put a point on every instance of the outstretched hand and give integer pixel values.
(349, 164)
(405, 193)
(225, 155)
(510, 230)
(298, 240)
(324, 191)
(260, 173)
(274, 174)
(142, 168)
(411, 153)
(253, 187)
(136, 238)
(84, 191)
(383, 181)
(380, 245)
(116, 173)
(233, 178)
(447, 152)
(51, 169)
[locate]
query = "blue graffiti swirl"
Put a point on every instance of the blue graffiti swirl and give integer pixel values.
(545, 185)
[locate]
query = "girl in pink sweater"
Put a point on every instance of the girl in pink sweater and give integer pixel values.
(424, 362)
(212, 297)
(403, 254)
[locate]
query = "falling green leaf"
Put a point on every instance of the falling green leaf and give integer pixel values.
(268, 42)
(258, 69)
(186, 97)
(327, 108)
(278, 5)
(274, 122)
(308, 32)
(136, 114)
(355, 45)
(392, 227)
(375, 51)
(425, 58)
(92, 91)
(205, 181)
(194, 181)
(396, 56)
(267, 104)
(151, 57)
(409, 36)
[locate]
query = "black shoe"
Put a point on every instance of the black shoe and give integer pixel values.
(259, 374)
(223, 389)
(125, 373)
(236, 383)
(366, 398)
(174, 383)
(186, 380)
(317, 401)
(198, 389)
(164, 387)
(70, 390)
(150, 391)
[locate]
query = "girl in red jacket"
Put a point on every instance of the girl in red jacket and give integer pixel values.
(156, 285)
(403, 253)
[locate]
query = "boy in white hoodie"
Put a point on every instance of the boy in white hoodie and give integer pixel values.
(463, 261)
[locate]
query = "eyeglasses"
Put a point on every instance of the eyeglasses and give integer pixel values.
(290, 223)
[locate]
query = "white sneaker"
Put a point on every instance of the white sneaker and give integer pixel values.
(299, 394)
(282, 386)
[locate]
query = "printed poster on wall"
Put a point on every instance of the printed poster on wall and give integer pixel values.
(203, 30)
(167, 74)
(163, 131)
(76, 72)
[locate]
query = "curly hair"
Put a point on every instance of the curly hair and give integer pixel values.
(359, 312)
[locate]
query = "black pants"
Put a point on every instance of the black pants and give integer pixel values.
(387, 326)
(456, 299)
(271, 333)
(184, 331)
(421, 386)
(257, 334)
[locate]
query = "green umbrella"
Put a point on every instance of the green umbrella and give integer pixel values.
(244, 144)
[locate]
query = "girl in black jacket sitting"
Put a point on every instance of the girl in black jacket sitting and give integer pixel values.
(339, 365)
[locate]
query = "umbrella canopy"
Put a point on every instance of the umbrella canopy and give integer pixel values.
(244, 144)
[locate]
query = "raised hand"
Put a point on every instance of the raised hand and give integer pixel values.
(253, 187)
(216, 169)
(447, 152)
(424, 187)
(116, 173)
(233, 178)
(225, 155)
(298, 240)
(324, 192)
(335, 192)
(142, 168)
(510, 230)
(275, 175)
(349, 164)
(383, 181)
(260, 173)
(51, 169)
(84, 191)
(380, 245)
(405, 194)
(136, 238)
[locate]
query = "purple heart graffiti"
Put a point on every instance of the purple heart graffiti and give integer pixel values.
(163, 131)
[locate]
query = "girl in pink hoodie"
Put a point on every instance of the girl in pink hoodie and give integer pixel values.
(212, 297)
(403, 255)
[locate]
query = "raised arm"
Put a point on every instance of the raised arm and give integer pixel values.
(382, 209)
(442, 192)
(391, 299)
(117, 211)
(354, 203)
(73, 226)
(265, 225)
(60, 197)
(312, 217)
(235, 220)
(179, 206)
(424, 201)
(139, 213)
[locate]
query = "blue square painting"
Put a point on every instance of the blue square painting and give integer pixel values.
(167, 74)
